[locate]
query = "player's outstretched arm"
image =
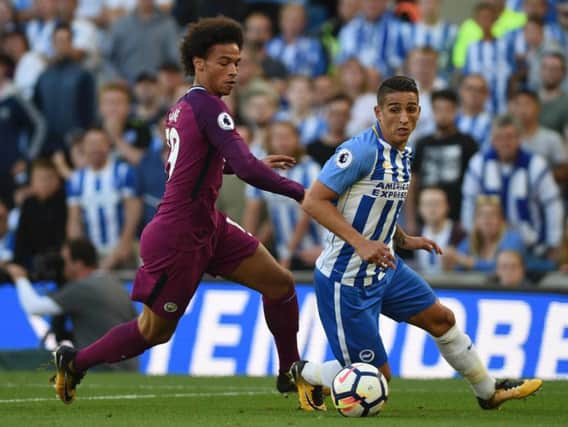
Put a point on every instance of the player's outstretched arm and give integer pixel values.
(413, 243)
(318, 203)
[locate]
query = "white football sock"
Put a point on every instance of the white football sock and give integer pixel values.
(458, 350)
(321, 373)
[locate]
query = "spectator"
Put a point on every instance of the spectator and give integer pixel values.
(422, 66)
(337, 115)
(115, 9)
(324, 90)
(19, 122)
(141, 41)
(95, 301)
(8, 17)
(493, 58)
(170, 78)
(441, 159)
(41, 28)
(529, 195)
(231, 199)
(66, 106)
(492, 14)
(85, 37)
(432, 31)
(7, 237)
(354, 81)
(530, 43)
(554, 111)
(536, 138)
(434, 208)
(258, 32)
(511, 271)
(151, 176)
(258, 112)
(102, 204)
(29, 64)
(299, 96)
(489, 237)
(43, 215)
(329, 30)
(297, 237)
(472, 118)
(299, 53)
(373, 38)
(129, 135)
(563, 261)
(149, 107)
(558, 29)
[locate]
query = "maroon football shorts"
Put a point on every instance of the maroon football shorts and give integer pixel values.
(169, 277)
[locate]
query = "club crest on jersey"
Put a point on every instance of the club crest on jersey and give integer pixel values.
(344, 158)
(367, 355)
(225, 121)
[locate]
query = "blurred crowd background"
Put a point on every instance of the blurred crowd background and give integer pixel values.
(85, 86)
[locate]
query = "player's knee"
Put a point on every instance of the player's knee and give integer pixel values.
(443, 321)
(281, 285)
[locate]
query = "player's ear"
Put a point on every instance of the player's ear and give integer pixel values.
(198, 63)
(378, 112)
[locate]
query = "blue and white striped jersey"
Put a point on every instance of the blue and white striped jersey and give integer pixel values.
(100, 195)
(478, 127)
(440, 37)
(494, 60)
(304, 56)
(375, 44)
(530, 197)
(371, 178)
(285, 212)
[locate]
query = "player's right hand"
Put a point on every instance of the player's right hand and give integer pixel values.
(377, 253)
(279, 161)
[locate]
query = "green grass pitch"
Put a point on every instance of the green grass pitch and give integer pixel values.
(26, 399)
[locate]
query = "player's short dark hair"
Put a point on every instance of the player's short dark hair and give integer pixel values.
(528, 93)
(396, 84)
(445, 95)
(83, 250)
(202, 35)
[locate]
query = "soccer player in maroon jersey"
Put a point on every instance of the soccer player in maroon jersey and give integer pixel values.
(188, 236)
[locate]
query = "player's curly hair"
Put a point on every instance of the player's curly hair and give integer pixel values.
(203, 34)
(396, 84)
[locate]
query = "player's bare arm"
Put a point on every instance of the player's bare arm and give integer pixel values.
(318, 203)
(413, 243)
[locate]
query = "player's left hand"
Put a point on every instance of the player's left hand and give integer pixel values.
(414, 243)
(279, 161)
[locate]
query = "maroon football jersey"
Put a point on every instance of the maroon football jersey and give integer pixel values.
(201, 136)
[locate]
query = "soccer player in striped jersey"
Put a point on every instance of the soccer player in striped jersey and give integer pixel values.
(358, 197)
(188, 236)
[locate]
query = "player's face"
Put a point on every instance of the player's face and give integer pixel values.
(398, 116)
(506, 141)
(218, 72)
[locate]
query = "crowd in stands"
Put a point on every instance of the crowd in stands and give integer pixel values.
(85, 86)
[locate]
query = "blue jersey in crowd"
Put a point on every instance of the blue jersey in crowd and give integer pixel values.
(100, 195)
(304, 56)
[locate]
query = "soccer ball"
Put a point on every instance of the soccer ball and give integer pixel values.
(359, 390)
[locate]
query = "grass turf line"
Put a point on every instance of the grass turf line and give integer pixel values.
(26, 399)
